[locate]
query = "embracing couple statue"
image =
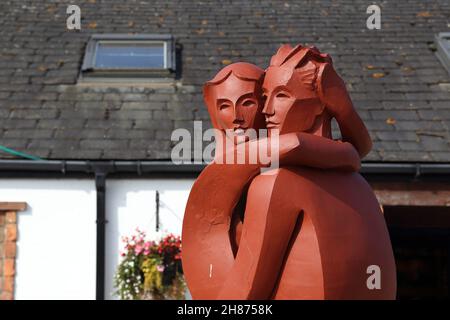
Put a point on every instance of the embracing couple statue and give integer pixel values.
(310, 229)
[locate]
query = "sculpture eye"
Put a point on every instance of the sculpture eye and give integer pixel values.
(223, 106)
(282, 95)
(248, 103)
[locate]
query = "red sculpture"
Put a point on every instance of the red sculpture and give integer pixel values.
(312, 228)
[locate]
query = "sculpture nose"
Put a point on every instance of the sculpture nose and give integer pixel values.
(237, 115)
(268, 109)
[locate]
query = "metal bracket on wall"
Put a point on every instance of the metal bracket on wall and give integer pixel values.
(157, 210)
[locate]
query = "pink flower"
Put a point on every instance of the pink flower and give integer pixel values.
(138, 249)
(160, 268)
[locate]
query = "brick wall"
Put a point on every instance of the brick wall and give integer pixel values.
(8, 249)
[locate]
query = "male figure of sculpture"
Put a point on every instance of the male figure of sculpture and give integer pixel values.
(311, 228)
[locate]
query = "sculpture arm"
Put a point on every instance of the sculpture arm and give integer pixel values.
(305, 149)
(265, 238)
(317, 152)
(207, 252)
(334, 95)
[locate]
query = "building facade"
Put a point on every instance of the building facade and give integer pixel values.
(86, 148)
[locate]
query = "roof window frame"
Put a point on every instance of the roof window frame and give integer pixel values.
(89, 70)
(442, 41)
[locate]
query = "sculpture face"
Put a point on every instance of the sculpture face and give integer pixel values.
(238, 105)
(292, 103)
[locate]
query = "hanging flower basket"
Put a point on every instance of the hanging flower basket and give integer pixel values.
(150, 270)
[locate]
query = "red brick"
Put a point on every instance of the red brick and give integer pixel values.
(2, 218)
(8, 284)
(11, 232)
(10, 249)
(1, 267)
(9, 269)
(11, 217)
(6, 296)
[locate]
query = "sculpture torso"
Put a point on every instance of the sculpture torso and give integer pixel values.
(337, 231)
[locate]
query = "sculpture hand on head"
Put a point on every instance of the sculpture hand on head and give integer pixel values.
(233, 98)
(303, 92)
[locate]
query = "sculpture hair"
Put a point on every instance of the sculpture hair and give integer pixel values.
(286, 55)
(304, 60)
(242, 70)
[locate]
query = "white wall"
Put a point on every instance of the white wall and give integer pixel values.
(56, 256)
(131, 204)
(56, 252)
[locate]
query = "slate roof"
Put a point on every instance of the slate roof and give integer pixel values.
(398, 85)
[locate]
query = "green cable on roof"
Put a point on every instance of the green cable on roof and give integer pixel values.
(19, 154)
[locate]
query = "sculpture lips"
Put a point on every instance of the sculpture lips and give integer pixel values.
(239, 131)
(271, 124)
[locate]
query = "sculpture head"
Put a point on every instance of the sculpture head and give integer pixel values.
(303, 92)
(292, 101)
(233, 98)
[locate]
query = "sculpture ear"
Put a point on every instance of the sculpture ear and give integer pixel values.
(333, 93)
(208, 97)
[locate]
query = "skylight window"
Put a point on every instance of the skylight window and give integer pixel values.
(129, 56)
(443, 49)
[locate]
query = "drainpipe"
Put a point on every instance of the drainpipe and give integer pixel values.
(100, 186)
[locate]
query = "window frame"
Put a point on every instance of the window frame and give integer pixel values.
(89, 69)
(443, 51)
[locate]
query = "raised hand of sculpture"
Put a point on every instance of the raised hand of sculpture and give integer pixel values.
(311, 228)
